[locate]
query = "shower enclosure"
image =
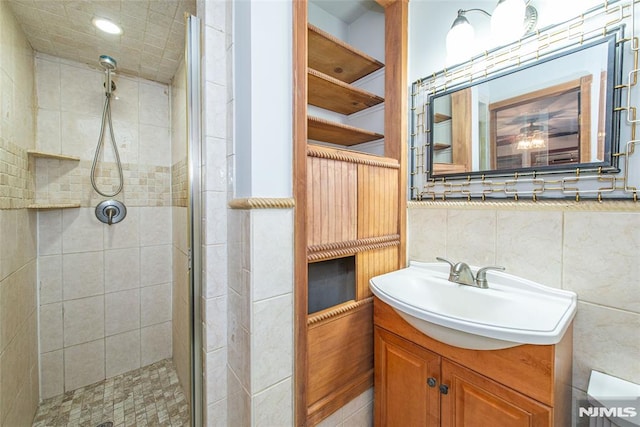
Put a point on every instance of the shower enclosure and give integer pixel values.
(91, 308)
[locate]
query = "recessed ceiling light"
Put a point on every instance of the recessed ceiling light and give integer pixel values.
(107, 26)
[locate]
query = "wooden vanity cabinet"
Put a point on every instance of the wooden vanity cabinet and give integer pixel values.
(423, 382)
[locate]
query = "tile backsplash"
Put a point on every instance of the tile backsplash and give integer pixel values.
(589, 249)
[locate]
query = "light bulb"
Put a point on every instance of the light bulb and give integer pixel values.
(460, 39)
(507, 21)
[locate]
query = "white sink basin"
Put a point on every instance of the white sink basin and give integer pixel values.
(512, 311)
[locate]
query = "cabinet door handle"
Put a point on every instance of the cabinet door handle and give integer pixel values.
(431, 382)
(444, 389)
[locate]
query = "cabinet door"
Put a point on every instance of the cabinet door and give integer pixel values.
(403, 396)
(476, 401)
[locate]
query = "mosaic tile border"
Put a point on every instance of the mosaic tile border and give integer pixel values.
(60, 181)
(16, 183)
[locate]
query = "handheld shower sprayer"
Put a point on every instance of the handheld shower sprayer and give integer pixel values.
(109, 65)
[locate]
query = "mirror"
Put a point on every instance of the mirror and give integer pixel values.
(554, 114)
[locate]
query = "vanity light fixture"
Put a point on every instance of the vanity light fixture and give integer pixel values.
(511, 19)
(531, 137)
(107, 26)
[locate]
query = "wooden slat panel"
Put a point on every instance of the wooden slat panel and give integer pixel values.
(340, 350)
(338, 133)
(331, 195)
(332, 94)
(377, 201)
(373, 263)
(332, 56)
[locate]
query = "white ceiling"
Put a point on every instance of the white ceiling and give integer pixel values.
(151, 45)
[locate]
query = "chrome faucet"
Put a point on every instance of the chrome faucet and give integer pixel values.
(461, 273)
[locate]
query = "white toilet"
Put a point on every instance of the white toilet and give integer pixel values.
(615, 402)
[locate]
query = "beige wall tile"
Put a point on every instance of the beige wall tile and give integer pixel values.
(82, 275)
(50, 278)
(48, 133)
(122, 353)
(606, 340)
(51, 374)
(48, 82)
(83, 320)
(127, 232)
(155, 265)
(215, 318)
(598, 263)
(529, 244)
(216, 223)
(155, 145)
(427, 234)
(216, 271)
(84, 364)
(122, 269)
(122, 311)
(51, 332)
(239, 403)
(155, 226)
(82, 231)
(81, 89)
(155, 343)
(216, 414)
(471, 236)
(274, 406)
(272, 253)
(124, 107)
(272, 342)
(50, 232)
(154, 104)
(155, 304)
(79, 133)
(216, 375)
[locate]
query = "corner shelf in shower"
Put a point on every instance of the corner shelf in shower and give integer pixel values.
(44, 155)
(49, 206)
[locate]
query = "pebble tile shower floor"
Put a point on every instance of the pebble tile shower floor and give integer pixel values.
(149, 396)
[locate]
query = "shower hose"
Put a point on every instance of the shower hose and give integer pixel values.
(106, 120)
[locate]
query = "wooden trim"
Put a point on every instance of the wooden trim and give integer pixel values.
(338, 253)
(300, 291)
(351, 156)
(353, 244)
(396, 111)
(262, 203)
(327, 406)
(338, 310)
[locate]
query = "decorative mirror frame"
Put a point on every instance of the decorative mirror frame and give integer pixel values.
(580, 183)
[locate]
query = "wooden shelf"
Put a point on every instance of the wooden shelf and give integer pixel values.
(44, 155)
(45, 206)
(337, 59)
(338, 133)
(439, 118)
(332, 94)
(441, 146)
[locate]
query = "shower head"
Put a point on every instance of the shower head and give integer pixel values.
(107, 62)
(109, 65)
